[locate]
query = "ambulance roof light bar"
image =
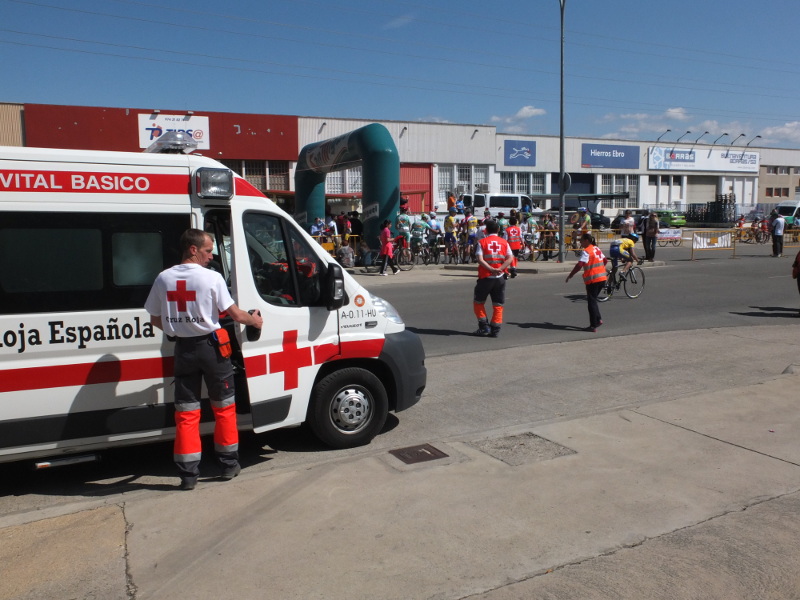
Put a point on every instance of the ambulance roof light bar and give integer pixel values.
(173, 142)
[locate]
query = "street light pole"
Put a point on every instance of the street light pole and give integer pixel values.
(561, 192)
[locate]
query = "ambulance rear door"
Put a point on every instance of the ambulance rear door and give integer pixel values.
(278, 270)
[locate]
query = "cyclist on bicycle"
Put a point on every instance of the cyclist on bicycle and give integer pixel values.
(403, 226)
(450, 227)
(622, 249)
(469, 226)
(419, 232)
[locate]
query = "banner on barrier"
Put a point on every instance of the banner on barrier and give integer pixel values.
(669, 234)
(705, 241)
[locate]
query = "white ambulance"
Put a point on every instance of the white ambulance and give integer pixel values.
(83, 234)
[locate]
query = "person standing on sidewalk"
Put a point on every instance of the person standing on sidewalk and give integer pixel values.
(494, 256)
(650, 233)
(593, 263)
(185, 302)
(386, 255)
(778, 225)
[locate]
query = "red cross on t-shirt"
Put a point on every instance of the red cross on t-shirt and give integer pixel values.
(181, 295)
(290, 360)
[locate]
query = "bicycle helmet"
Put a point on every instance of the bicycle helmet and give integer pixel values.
(432, 215)
(451, 210)
(632, 236)
(424, 217)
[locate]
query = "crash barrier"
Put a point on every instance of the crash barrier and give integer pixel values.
(331, 243)
(722, 239)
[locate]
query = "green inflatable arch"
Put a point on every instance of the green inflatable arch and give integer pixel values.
(371, 145)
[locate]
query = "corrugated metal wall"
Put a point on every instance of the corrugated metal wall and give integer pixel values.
(11, 131)
(416, 142)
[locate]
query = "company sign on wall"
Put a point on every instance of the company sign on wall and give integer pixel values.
(604, 156)
(519, 153)
(152, 126)
(687, 159)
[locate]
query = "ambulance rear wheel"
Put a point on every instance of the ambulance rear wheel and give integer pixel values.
(348, 408)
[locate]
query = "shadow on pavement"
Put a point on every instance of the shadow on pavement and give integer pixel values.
(781, 312)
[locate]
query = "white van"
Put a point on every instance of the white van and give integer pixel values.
(789, 209)
(82, 237)
(499, 203)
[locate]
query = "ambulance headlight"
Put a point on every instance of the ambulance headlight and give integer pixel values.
(386, 309)
(214, 183)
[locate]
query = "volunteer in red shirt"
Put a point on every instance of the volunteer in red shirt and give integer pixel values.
(514, 237)
(185, 302)
(494, 257)
(593, 263)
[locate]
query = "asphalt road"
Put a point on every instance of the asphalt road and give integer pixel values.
(684, 294)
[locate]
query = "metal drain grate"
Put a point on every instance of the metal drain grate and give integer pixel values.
(417, 454)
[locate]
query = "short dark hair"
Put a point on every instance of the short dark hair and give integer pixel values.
(588, 237)
(492, 226)
(192, 237)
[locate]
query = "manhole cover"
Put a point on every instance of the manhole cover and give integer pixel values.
(418, 454)
(521, 449)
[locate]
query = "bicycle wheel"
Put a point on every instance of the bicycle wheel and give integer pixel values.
(608, 289)
(634, 282)
(677, 241)
(405, 260)
(370, 260)
(663, 243)
(425, 255)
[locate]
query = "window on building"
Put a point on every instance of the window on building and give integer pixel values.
(783, 170)
(464, 178)
(354, 180)
(334, 182)
(278, 174)
(445, 184)
(481, 175)
(768, 192)
(772, 170)
(785, 192)
(506, 182)
(255, 172)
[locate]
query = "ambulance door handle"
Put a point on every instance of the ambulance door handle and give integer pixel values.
(252, 333)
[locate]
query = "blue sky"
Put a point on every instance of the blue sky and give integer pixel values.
(634, 68)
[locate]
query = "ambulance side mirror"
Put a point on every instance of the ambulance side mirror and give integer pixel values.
(334, 287)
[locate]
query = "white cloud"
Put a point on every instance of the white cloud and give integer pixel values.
(516, 123)
(526, 112)
(789, 132)
(677, 114)
(398, 22)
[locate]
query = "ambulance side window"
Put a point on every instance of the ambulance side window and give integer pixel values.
(285, 269)
(269, 260)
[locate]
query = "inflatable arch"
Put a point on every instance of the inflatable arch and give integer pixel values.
(371, 145)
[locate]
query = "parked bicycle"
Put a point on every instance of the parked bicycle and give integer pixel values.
(631, 282)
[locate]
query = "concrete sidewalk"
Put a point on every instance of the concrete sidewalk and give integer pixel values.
(696, 497)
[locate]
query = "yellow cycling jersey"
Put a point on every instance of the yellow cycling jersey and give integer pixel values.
(450, 224)
(625, 244)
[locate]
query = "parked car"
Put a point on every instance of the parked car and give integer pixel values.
(673, 218)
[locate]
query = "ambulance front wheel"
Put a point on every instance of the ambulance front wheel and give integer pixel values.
(348, 408)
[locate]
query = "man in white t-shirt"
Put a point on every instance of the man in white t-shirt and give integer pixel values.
(778, 225)
(185, 302)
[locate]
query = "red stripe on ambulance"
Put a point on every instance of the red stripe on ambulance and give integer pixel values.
(88, 182)
(288, 361)
(112, 371)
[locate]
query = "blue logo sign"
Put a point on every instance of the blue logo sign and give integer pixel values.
(602, 156)
(520, 153)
